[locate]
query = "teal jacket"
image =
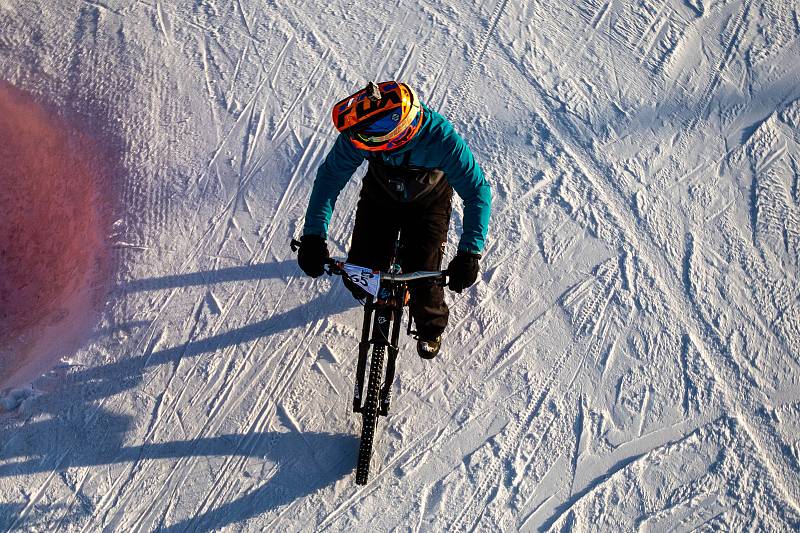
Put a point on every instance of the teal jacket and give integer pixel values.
(435, 146)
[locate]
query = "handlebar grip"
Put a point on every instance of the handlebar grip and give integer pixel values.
(334, 267)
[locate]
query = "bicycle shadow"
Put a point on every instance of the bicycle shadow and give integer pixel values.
(336, 301)
(110, 379)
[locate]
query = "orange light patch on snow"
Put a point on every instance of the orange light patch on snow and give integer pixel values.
(53, 254)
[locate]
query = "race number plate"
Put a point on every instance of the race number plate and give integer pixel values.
(364, 277)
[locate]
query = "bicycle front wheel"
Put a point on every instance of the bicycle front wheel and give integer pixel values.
(369, 414)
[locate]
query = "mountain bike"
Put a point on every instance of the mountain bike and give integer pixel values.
(386, 294)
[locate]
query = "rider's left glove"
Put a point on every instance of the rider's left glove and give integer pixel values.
(462, 271)
(313, 255)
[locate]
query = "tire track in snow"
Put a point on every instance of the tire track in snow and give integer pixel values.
(525, 476)
(208, 77)
(686, 312)
(584, 38)
(658, 19)
(466, 88)
(510, 442)
(409, 58)
(713, 82)
(391, 31)
(588, 301)
(39, 494)
(237, 123)
(229, 96)
(432, 96)
(288, 113)
(77, 496)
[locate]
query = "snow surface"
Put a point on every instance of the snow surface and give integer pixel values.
(628, 361)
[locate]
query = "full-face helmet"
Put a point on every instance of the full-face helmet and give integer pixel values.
(379, 117)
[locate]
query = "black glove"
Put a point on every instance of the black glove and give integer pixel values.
(313, 255)
(462, 271)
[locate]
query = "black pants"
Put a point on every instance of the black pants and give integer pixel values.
(423, 226)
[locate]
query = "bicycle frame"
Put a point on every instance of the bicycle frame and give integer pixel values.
(384, 329)
(381, 327)
(380, 332)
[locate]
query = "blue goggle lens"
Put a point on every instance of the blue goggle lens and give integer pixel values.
(383, 125)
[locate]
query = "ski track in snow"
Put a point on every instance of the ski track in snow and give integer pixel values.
(629, 359)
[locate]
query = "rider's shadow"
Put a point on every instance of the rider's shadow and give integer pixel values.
(80, 431)
(295, 465)
(299, 474)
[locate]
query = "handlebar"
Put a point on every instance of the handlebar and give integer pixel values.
(335, 267)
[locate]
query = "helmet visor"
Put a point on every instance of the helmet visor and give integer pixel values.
(387, 132)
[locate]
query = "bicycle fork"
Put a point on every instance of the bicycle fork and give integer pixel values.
(385, 331)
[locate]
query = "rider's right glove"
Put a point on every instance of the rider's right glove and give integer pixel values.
(313, 255)
(462, 271)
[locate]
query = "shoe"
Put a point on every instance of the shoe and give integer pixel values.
(428, 349)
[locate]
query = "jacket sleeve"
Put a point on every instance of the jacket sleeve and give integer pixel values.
(467, 179)
(332, 175)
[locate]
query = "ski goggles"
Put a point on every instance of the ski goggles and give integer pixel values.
(379, 137)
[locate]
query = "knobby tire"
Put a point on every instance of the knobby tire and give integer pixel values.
(369, 414)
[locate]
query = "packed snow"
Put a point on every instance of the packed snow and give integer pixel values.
(627, 361)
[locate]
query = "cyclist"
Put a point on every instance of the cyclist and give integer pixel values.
(416, 160)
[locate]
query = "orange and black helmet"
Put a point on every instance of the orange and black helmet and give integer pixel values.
(379, 117)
